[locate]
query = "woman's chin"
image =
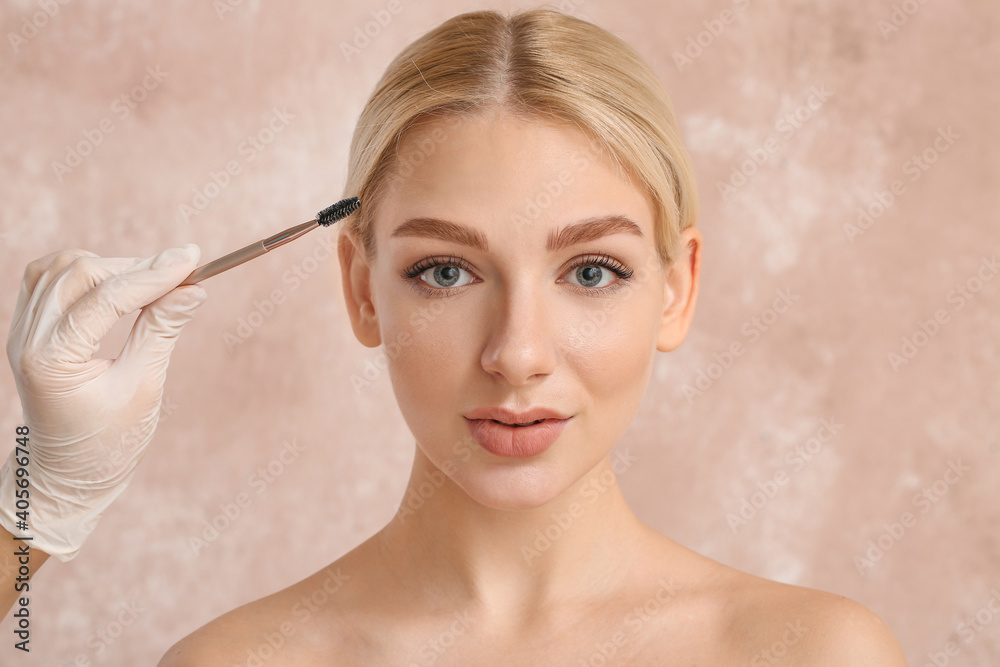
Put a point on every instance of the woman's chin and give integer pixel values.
(513, 489)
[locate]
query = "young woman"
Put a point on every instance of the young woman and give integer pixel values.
(525, 246)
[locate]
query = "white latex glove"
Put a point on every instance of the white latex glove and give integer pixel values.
(90, 420)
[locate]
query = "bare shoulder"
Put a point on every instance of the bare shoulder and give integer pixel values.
(771, 621)
(849, 633)
(280, 629)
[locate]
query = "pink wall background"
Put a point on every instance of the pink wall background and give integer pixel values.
(230, 409)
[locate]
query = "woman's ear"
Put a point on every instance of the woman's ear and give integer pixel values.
(680, 291)
(356, 280)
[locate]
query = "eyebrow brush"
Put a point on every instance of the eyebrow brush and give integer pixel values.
(324, 218)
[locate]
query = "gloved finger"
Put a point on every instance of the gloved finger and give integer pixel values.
(75, 334)
(54, 292)
(53, 263)
(155, 332)
(82, 275)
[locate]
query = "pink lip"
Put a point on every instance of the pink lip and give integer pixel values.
(515, 417)
(516, 441)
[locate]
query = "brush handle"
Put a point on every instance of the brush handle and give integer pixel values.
(246, 254)
(324, 218)
(227, 262)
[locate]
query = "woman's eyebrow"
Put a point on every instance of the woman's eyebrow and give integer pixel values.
(579, 232)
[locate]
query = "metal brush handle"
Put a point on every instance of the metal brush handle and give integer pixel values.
(326, 217)
(242, 255)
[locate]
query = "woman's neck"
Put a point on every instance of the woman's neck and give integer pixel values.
(511, 565)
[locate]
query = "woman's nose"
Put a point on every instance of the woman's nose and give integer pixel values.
(521, 346)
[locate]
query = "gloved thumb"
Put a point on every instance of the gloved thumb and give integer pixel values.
(155, 331)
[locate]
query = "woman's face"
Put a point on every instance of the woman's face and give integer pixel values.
(515, 295)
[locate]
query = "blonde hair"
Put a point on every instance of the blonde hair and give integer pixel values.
(538, 63)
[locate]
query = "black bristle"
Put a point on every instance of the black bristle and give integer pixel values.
(335, 212)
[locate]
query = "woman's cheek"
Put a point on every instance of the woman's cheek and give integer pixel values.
(411, 330)
(604, 344)
(425, 370)
(612, 366)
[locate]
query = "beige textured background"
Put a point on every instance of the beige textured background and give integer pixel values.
(231, 408)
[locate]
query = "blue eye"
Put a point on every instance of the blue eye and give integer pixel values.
(589, 274)
(590, 270)
(446, 271)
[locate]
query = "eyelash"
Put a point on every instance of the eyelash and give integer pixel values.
(603, 260)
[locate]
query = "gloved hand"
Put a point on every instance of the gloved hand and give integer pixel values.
(90, 420)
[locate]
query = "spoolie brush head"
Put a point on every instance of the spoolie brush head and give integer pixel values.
(341, 209)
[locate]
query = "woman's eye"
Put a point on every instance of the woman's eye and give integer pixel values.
(598, 274)
(444, 276)
(592, 276)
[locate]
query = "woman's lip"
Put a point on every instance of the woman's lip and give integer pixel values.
(534, 421)
(522, 416)
(516, 441)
